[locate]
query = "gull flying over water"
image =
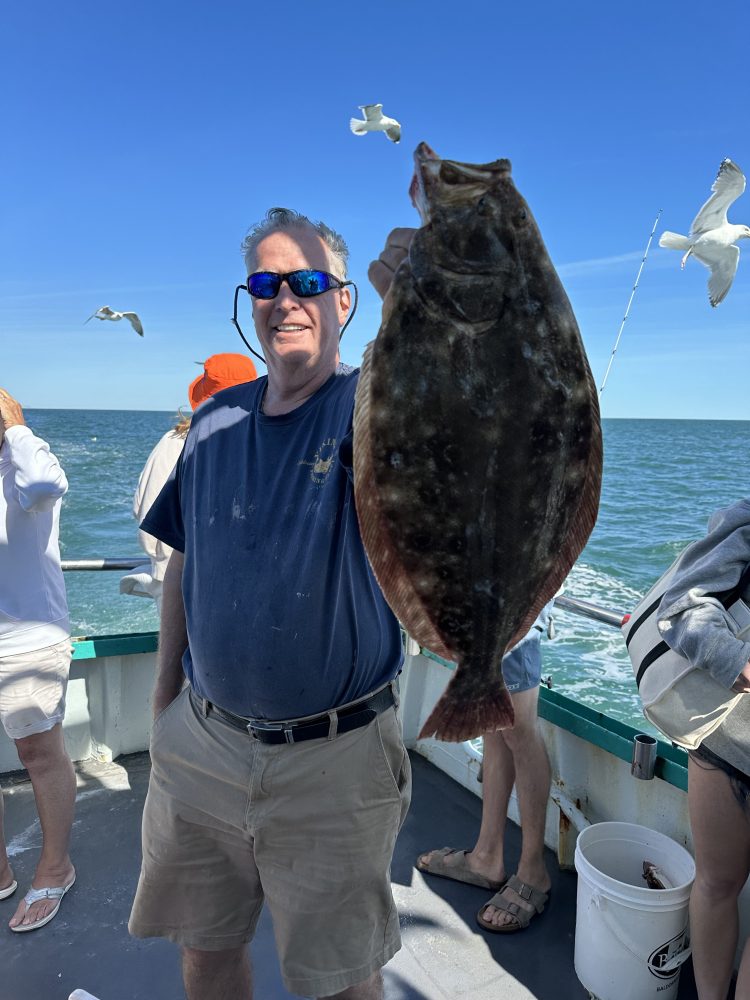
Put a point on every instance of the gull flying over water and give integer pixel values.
(106, 313)
(712, 238)
(375, 121)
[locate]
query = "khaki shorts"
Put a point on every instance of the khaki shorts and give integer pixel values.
(309, 828)
(32, 689)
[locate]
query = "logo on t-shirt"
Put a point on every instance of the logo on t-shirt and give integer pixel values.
(321, 464)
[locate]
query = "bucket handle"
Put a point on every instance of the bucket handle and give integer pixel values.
(672, 965)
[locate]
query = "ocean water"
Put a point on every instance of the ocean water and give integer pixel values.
(662, 480)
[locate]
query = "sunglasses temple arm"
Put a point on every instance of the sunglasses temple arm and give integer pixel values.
(351, 314)
(238, 328)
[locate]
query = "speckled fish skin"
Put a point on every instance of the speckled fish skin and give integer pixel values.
(477, 439)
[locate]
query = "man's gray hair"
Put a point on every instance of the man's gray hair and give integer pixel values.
(282, 219)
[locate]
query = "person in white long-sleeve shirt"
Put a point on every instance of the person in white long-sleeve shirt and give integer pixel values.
(35, 655)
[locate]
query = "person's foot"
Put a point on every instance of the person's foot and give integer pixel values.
(452, 864)
(43, 879)
(7, 878)
(539, 880)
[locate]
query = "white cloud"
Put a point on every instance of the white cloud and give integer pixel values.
(595, 265)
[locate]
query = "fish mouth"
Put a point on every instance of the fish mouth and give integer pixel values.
(430, 172)
(425, 158)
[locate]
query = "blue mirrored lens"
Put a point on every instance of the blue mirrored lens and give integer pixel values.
(307, 283)
(264, 285)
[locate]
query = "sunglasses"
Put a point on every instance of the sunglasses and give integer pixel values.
(304, 283)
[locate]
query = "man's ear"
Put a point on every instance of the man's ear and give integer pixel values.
(345, 305)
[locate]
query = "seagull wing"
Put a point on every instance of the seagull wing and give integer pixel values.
(134, 322)
(728, 186)
(393, 130)
(373, 112)
(722, 275)
(103, 312)
(723, 265)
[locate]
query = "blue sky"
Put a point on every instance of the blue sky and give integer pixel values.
(141, 140)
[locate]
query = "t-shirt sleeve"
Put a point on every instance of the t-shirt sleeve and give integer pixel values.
(164, 518)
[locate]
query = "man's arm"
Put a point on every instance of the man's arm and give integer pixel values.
(172, 636)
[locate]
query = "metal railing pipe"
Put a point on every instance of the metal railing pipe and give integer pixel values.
(101, 564)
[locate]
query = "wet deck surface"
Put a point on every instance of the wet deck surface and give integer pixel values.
(445, 955)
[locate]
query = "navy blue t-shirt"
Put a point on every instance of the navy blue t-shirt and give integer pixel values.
(284, 616)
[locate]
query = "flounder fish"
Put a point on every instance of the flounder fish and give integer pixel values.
(477, 439)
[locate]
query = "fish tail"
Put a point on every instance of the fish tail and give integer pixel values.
(462, 713)
(673, 241)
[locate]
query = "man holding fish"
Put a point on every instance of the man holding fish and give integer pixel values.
(279, 775)
(464, 480)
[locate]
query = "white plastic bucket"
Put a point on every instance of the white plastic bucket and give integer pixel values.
(630, 940)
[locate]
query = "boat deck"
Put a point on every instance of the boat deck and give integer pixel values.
(445, 955)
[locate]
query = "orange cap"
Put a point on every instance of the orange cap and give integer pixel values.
(219, 372)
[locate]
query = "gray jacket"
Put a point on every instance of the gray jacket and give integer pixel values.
(697, 626)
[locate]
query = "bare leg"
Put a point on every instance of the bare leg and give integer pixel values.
(217, 975)
(370, 989)
(721, 839)
(497, 784)
(499, 775)
(532, 778)
(53, 780)
(684, 259)
(6, 872)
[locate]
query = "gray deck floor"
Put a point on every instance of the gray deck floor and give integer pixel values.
(445, 955)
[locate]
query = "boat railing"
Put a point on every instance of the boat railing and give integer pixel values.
(586, 722)
(583, 608)
(128, 562)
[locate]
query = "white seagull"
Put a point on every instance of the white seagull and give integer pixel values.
(106, 313)
(712, 238)
(375, 121)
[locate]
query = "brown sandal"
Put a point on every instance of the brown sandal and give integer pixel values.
(520, 914)
(456, 871)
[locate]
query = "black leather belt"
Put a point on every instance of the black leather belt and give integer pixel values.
(346, 719)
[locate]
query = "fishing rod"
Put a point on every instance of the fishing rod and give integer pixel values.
(630, 301)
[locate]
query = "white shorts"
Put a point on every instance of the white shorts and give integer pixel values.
(32, 689)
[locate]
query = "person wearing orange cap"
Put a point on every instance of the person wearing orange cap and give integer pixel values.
(220, 371)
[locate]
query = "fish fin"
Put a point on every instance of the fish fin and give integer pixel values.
(460, 715)
(392, 578)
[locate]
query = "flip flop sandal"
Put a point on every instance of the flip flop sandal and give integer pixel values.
(520, 914)
(8, 890)
(456, 871)
(34, 895)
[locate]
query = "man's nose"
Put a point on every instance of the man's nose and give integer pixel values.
(286, 299)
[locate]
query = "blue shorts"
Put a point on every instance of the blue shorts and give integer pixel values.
(522, 666)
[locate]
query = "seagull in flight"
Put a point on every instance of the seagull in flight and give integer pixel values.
(712, 238)
(106, 313)
(375, 121)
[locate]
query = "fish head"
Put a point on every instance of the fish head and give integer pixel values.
(441, 184)
(478, 230)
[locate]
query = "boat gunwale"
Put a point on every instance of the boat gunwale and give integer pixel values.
(565, 713)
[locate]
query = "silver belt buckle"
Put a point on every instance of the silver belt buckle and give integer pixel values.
(272, 727)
